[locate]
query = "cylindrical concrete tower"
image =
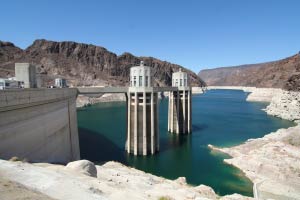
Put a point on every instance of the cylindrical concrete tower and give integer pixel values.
(142, 120)
(179, 116)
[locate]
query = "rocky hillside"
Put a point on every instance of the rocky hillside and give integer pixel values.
(8, 52)
(283, 73)
(84, 64)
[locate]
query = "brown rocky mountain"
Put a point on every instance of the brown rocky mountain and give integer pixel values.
(283, 73)
(8, 52)
(84, 64)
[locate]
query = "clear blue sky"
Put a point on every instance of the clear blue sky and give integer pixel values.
(195, 34)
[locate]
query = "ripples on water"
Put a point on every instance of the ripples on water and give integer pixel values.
(220, 117)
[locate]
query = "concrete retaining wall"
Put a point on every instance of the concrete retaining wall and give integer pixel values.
(39, 125)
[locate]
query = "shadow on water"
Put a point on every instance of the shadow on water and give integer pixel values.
(97, 148)
(197, 128)
(173, 141)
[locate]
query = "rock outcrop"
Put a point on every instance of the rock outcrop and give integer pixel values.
(83, 166)
(283, 73)
(262, 94)
(84, 64)
(283, 104)
(286, 105)
(8, 52)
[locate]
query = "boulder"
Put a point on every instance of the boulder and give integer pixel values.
(206, 191)
(181, 180)
(83, 166)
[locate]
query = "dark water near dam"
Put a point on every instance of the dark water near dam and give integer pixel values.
(220, 117)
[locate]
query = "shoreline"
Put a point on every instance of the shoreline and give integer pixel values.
(269, 95)
(83, 101)
(112, 180)
(271, 162)
(272, 165)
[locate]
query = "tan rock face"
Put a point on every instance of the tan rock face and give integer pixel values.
(263, 94)
(285, 105)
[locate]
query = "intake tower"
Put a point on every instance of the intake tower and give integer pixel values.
(179, 116)
(142, 111)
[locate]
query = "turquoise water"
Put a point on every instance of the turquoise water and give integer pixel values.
(220, 117)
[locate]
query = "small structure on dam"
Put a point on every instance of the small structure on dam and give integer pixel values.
(179, 116)
(26, 73)
(142, 122)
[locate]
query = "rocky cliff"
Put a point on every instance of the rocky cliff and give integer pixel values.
(8, 52)
(283, 73)
(84, 64)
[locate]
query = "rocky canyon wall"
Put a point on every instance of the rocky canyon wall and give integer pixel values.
(84, 64)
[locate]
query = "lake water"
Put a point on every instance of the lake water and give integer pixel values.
(220, 117)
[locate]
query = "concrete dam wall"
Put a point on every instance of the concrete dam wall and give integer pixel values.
(39, 125)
